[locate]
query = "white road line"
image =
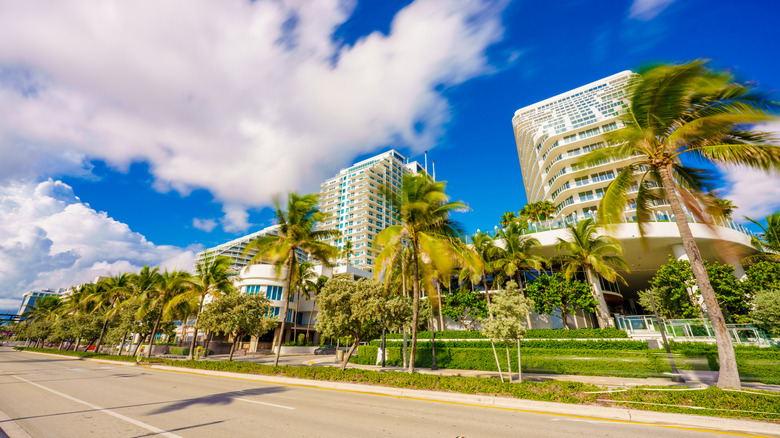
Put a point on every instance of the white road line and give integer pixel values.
(148, 427)
(262, 403)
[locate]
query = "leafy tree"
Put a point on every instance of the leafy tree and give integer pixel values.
(297, 233)
(358, 309)
(768, 242)
(762, 276)
(509, 309)
(677, 296)
(681, 112)
(551, 293)
(591, 254)
(426, 233)
(466, 307)
(239, 315)
(766, 311)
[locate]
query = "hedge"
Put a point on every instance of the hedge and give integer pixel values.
(587, 333)
(594, 362)
(536, 343)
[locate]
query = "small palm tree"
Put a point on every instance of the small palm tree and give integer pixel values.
(108, 296)
(517, 255)
(486, 248)
(678, 112)
(297, 233)
(212, 277)
(426, 231)
(768, 242)
(507, 218)
(304, 284)
(164, 298)
(590, 253)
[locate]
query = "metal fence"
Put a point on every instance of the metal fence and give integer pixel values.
(689, 330)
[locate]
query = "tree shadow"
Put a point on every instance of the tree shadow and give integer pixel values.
(224, 398)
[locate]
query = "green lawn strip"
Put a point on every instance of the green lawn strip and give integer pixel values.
(533, 343)
(88, 355)
(712, 401)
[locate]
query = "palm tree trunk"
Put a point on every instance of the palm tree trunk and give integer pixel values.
(295, 320)
(154, 332)
(487, 293)
(527, 315)
(415, 307)
(602, 314)
(190, 354)
(729, 373)
(209, 335)
(122, 344)
(286, 300)
(76, 346)
(405, 358)
(100, 338)
(140, 341)
(441, 317)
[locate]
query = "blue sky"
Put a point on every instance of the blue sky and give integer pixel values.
(140, 133)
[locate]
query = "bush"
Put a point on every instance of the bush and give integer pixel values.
(182, 351)
(587, 333)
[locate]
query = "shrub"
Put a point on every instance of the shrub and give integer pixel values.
(182, 351)
(536, 344)
(587, 333)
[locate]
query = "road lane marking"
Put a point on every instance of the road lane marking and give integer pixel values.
(263, 403)
(140, 424)
(501, 408)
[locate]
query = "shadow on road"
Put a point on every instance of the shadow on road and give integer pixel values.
(224, 398)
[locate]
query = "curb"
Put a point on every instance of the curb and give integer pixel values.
(539, 407)
(88, 359)
(10, 428)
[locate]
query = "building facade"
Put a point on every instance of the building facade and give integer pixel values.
(235, 249)
(29, 298)
(552, 136)
(357, 206)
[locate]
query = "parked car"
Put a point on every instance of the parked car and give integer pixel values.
(327, 349)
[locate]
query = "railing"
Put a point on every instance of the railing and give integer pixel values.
(559, 223)
(689, 330)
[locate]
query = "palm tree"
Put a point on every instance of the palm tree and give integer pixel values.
(590, 253)
(485, 247)
(346, 251)
(686, 111)
(163, 298)
(507, 218)
(768, 243)
(297, 233)
(539, 211)
(516, 256)
(426, 231)
(304, 284)
(211, 278)
(107, 297)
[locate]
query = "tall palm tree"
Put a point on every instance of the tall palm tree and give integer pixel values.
(346, 251)
(107, 297)
(768, 243)
(164, 297)
(297, 233)
(212, 277)
(428, 233)
(591, 253)
(486, 249)
(678, 112)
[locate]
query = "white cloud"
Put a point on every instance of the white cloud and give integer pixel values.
(647, 9)
(204, 224)
(219, 95)
(50, 239)
(755, 192)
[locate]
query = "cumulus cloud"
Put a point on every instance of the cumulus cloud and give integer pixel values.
(647, 9)
(756, 193)
(204, 224)
(245, 99)
(50, 239)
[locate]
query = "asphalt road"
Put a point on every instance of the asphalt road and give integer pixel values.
(53, 397)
